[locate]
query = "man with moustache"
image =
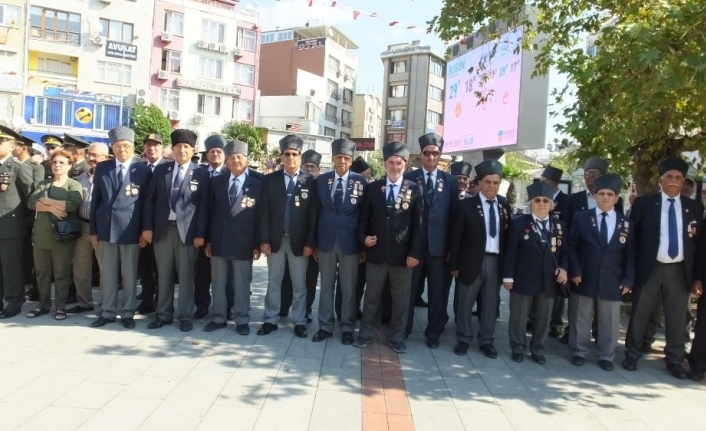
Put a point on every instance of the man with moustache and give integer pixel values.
(288, 233)
(392, 229)
(175, 221)
(116, 224)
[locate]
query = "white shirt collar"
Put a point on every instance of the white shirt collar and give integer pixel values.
(398, 183)
(155, 163)
(241, 178)
(484, 199)
(125, 164)
(433, 173)
(665, 198)
(344, 177)
(178, 166)
(611, 213)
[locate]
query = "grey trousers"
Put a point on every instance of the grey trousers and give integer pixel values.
(582, 312)
(488, 284)
(171, 254)
(119, 260)
(400, 282)
(275, 273)
(241, 271)
(669, 282)
(346, 266)
(56, 262)
(83, 266)
(520, 306)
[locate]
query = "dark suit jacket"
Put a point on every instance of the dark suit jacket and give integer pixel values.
(255, 174)
(116, 216)
(191, 206)
(467, 237)
(303, 216)
(602, 269)
(560, 202)
(233, 229)
(15, 187)
(400, 231)
(339, 225)
(437, 216)
(646, 213)
(79, 168)
(578, 202)
(528, 255)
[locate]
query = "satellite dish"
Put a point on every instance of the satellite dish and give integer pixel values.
(95, 25)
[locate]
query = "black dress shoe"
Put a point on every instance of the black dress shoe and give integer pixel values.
(266, 328)
(578, 360)
(420, 302)
(157, 323)
(696, 376)
(71, 299)
(432, 344)
(606, 365)
(320, 335)
(186, 326)
(201, 313)
(630, 364)
(646, 347)
(100, 322)
(145, 308)
(212, 326)
(489, 351)
(128, 322)
(540, 359)
(78, 309)
(229, 314)
(300, 331)
(347, 338)
(554, 332)
(6, 314)
(564, 339)
(518, 357)
(308, 318)
(243, 329)
(530, 327)
(141, 296)
(677, 371)
(461, 348)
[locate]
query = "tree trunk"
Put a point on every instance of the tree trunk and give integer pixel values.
(511, 194)
(645, 162)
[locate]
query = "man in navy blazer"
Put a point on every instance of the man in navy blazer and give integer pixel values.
(176, 217)
(233, 239)
(440, 193)
(116, 222)
(602, 268)
(341, 194)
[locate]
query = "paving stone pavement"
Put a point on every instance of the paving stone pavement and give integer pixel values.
(65, 375)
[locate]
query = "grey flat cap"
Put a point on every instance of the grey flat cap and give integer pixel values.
(121, 133)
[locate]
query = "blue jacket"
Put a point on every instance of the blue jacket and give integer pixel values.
(339, 225)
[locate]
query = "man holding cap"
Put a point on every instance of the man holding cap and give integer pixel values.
(116, 223)
(51, 143)
(288, 233)
(667, 227)
(15, 187)
(392, 229)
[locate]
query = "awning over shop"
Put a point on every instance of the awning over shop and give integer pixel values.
(38, 135)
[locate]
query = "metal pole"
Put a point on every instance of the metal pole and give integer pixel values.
(122, 102)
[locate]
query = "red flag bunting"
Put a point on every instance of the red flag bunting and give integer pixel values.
(311, 3)
(373, 15)
(333, 4)
(411, 27)
(394, 23)
(356, 14)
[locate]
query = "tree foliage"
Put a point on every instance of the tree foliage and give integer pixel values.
(640, 98)
(377, 165)
(150, 119)
(514, 169)
(244, 131)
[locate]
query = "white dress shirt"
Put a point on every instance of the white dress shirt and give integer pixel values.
(492, 245)
(343, 183)
(663, 251)
(288, 178)
(241, 180)
(433, 177)
(172, 214)
(212, 172)
(395, 190)
(125, 167)
(591, 200)
(611, 220)
(153, 165)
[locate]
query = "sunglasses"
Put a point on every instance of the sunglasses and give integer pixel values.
(431, 153)
(289, 154)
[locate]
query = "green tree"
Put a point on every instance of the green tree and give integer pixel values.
(377, 165)
(514, 169)
(245, 132)
(639, 99)
(150, 119)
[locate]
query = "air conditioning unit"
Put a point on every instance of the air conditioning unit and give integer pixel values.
(166, 36)
(98, 40)
(162, 74)
(140, 100)
(388, 122)
(173, 115)
(141, 92)
(223, 47)
(202, 44)
(199, 118)
(338, 74)
(213, 46)
(238, 51)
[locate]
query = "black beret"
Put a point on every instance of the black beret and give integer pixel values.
(51, 140)
(311, 156)
(552, 173)
(488, 167)
(395, 148)
(539, 189)
(431, 139)
(342, 146)
(7, 134)
(213, 141)
(291, 142)
(596, 162)
(75, 141)
(610, 182)
(461, 168)
(359, 165)
(184, 136)
(673, 164)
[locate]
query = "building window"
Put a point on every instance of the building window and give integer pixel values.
(106, 117)
(399, 66)
(345, 135)
(8, 61)
(244, 74)
(348, 74)
(55, 26)
(398, 91)
(332, 89)
(5, 106)
(209, 105)
(169, 99)
(334, 65)
(433, 117)
(436, 68)
(396, 114)
(247, 39)
(277, 36)
(331, 113)
(242, 109)
(54, 112)
(399, 137)
(313, 112)
(212, 31)
(436, 93)
(116, 30)
(174, 22)
(329, 132)
(114, 73)
(347, 96)
(54, 67)
(9, 15)
(171, 61)
(346, 118)
(210, 68)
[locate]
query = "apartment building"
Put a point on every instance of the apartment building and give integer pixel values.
(12, 58)
(367, 122)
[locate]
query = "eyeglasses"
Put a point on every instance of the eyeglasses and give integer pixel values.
(541, 200)
(57, 163)
(592, 173)
(122, 146)
(290, 154)
(431, 153)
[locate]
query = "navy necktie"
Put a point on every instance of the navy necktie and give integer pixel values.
(338, 195)
(430, 189)
(391, 197)
(120, 175)
(491, 219)
(175, 189)
(233, 191)
(673, 249)
(288, 204)
(604, 230)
